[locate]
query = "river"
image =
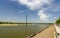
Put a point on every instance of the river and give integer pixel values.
(20, 31)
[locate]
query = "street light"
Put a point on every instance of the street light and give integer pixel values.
(26, 20)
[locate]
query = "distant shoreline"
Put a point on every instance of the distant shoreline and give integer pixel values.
(16, 24)
(8, 24)
(22, 23)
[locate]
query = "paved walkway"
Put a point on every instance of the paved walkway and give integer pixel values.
(47, 33)
(57, 30)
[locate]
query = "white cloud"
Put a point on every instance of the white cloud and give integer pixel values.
(43, 16)
(40, 6)
(35, 4)
(21, 11)
(55, 18)
(56, 8)
(23, 1)
(13, 0)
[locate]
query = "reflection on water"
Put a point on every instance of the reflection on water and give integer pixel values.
(20, 31)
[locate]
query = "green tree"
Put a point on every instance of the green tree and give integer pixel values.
(58, 21)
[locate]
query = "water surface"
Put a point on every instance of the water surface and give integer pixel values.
(20, 31)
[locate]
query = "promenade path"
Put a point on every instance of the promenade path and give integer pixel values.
(47, 33)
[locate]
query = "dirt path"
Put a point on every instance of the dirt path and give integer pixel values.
(47, 33)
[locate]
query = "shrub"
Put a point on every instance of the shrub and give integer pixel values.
(58, 21)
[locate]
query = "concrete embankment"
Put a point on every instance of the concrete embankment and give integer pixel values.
(47, 33)
(32, 35)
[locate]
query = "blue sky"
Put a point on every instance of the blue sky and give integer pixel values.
(38, 11)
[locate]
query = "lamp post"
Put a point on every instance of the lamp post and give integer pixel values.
(25, 17)
(26, 20)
